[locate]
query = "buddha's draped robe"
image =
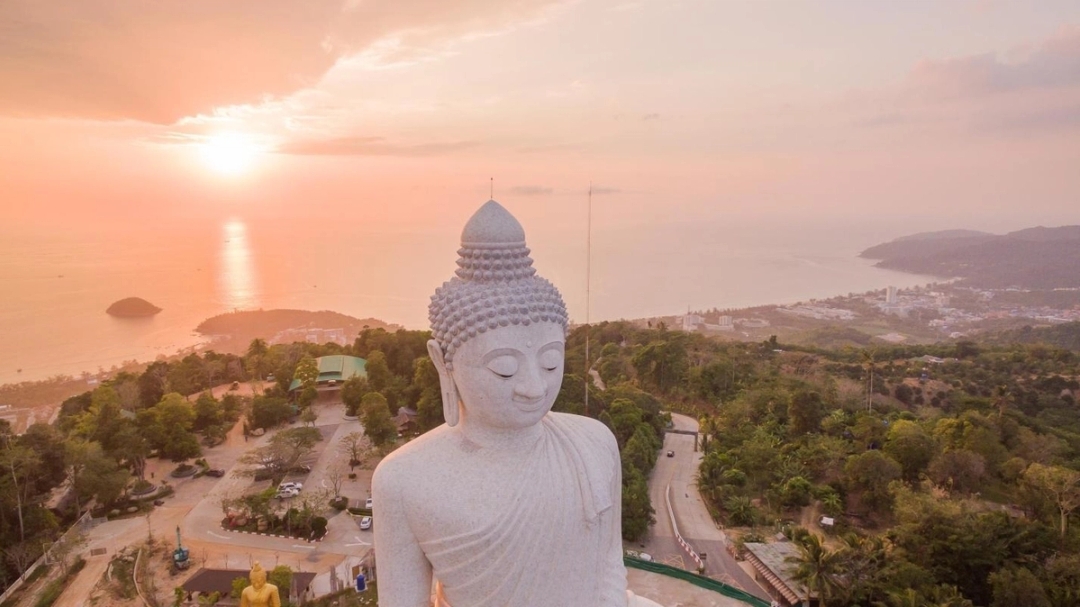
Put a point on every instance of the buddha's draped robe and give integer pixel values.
(561, 535)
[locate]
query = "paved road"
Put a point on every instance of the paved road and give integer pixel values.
(691, 514)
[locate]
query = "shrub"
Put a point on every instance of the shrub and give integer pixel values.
(183, 470)
(238, 585)
(318, 526)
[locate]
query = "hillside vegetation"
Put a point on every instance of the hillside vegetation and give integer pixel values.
(952, 470)
(1066, 335)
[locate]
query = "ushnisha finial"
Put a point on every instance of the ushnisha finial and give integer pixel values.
(496, 285)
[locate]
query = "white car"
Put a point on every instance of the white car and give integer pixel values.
(644, 556)
(367, 504)
(365, 523)
(291, 486)
(286, 493)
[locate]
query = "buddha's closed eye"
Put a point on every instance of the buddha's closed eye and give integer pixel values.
(551, 359)
(503, 366)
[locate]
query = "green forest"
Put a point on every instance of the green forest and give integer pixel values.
(952, 471)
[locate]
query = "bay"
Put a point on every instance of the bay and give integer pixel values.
(57, 283)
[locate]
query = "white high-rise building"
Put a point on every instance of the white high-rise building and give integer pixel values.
(890, 295)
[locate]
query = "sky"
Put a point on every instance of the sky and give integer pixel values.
(923, 114)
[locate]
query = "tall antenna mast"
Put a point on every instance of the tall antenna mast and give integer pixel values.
(492, 197)
(588, 296)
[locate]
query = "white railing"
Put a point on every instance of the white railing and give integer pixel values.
(678, 536)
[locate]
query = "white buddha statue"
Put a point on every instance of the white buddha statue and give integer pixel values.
(507, 504)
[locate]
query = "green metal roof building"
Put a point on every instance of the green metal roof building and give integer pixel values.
(334, 370)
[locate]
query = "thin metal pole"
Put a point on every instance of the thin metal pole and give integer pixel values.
(588, 296)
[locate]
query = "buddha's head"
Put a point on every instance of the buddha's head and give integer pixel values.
(257, 576)
(498, 329)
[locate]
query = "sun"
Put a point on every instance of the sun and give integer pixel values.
(229, 153)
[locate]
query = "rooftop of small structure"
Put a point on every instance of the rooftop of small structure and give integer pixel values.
(775, 557)
(337, 367)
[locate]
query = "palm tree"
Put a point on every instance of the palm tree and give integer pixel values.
(902, 598)
(818, 568)
(863, 558)
(832, 504)
(740, 510)
(947, 596)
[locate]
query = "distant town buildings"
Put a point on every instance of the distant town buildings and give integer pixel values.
(818, 312)
(692, 322)
(310, 335)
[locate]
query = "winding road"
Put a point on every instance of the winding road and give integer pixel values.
(690, 514)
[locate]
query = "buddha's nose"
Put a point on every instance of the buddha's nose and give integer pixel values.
(531, 386)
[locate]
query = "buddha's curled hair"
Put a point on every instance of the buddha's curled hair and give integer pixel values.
(496, 285)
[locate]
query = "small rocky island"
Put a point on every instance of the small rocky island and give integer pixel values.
(132, 307)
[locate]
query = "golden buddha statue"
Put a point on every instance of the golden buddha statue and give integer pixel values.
(259, 593)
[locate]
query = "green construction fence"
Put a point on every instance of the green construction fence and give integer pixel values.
(695, 579)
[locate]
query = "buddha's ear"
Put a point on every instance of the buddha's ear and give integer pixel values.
(446, 384)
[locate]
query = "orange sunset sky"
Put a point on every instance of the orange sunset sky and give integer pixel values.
(935, 114)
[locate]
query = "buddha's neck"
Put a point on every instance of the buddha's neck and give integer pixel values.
(499, 439)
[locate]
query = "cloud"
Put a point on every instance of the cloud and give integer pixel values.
(370, 146)
(1035, 92)
(1052, 119)
(1056, 63)
(531, 190)
(652, 116)
(163, 60)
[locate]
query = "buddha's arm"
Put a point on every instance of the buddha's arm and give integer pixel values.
(275, 597)
(613, 580)
(404, 573)
(245, 600)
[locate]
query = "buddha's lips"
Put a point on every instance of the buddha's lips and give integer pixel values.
(529, 405)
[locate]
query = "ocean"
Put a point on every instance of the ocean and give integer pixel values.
(55, 284)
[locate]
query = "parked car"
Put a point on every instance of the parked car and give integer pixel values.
(365, 523)
(671, 454)
(367, 504)
(215, 472)
(287, 493)
(291, 485)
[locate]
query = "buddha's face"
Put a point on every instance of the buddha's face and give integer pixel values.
(508, 378)
(258, 579)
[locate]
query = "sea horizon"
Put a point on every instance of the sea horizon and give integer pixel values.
(60, 283)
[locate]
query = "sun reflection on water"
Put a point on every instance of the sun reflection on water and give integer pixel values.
(236, 275)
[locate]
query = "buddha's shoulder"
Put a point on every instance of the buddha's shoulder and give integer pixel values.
(594, 430)
(418, 457)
